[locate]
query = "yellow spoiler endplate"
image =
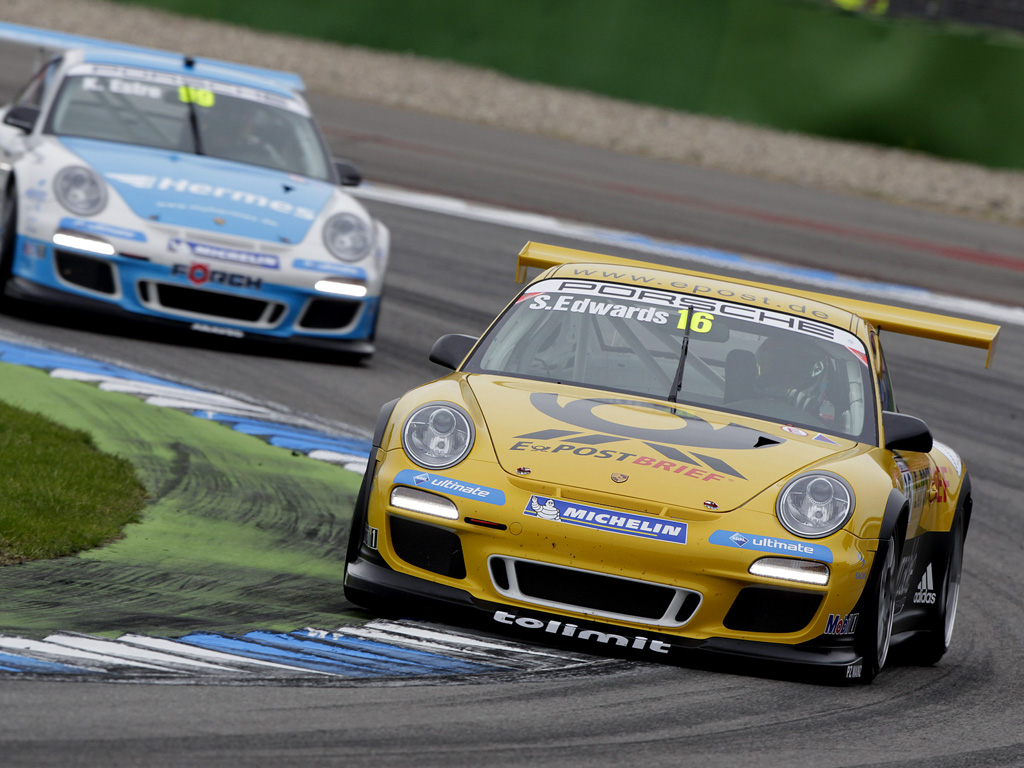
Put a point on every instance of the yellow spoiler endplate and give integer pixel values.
(911, 322)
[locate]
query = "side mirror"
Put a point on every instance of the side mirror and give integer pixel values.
(450, 350)
(905, 433)
(22, 116)
(347, 173)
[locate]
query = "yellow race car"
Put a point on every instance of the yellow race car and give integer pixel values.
(658, 462)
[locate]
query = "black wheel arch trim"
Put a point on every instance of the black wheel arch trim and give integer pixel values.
(965, 502)
(895, 507)
(363, 496)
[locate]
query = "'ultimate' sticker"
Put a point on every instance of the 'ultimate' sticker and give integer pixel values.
(601, 519)
(771, 544)
(450, 486)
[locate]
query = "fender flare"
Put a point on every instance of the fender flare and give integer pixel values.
(894, 508)
(362, 498)
(965, 502)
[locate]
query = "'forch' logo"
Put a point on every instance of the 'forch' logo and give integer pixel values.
(200, 274)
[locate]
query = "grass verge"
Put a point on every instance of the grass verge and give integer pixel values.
(237, 535)
(61, 495)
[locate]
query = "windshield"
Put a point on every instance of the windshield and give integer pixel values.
(167, 111)
(786, 368)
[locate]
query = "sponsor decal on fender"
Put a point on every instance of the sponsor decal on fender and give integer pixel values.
(597, 518)
(925, 588)
(949, 453)
(346, 270)
(636, 642)
(450, 486)
(103, 229)
(771, 544)
(838, 624)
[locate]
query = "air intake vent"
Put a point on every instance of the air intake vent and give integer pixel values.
(595, 593)
(767, 609)
(85, 272)
(329, 314)
(210, 303)
(428, 547)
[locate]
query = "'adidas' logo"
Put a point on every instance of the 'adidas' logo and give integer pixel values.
(926, 588)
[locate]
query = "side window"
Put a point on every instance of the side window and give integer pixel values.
(884, 384)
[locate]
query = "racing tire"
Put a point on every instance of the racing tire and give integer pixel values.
(358, 597)
(356, 530)
(357, 360)
(926, 648)
(8, 234)
(875, 635)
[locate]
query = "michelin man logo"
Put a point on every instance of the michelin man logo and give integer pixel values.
(549, 511)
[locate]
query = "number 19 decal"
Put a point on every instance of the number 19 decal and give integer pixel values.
(198, 96)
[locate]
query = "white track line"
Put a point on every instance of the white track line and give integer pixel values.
(833, 281)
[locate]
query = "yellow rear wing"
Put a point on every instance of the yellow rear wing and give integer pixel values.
(911, 322)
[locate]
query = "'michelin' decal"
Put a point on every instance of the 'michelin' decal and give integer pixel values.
(597, 518)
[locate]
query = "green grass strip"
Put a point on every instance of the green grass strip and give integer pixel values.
(60, 494)
(237, 535)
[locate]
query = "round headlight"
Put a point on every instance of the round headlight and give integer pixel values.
(438, 435)
(815, 504)
(80, 190)
(348, 237)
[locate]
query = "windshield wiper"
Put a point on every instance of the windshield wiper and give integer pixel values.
(193, 118)
(677, 382)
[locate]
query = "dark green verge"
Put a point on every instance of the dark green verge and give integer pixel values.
(238, 534)
(60, 494)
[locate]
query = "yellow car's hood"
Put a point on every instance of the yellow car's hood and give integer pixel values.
(681, 456)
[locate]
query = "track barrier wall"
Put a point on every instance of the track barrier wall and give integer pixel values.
(795, 65)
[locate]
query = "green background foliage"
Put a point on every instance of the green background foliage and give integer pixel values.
(795, 65)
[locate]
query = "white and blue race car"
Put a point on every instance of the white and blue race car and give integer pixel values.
(185, 191)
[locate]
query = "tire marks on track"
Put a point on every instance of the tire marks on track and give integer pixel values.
(275, 426)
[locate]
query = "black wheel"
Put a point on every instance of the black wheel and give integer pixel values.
(926, 648)
(875, 635)
(8, 234)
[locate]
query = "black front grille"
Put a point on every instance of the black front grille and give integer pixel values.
(767, 609)
(210, 303)
(325, 314)
(499, 575)
(594, 591)
(428, 547)
(94, 274)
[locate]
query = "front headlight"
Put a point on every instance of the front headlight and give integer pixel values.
(348, 237)
(438, 435)
(815, 504)
(80, 190)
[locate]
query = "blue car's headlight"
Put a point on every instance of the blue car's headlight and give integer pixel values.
(348, 237)
(815, 504)
(438, 435)
(80, 190)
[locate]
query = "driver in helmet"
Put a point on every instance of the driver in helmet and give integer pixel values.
(794, 369)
